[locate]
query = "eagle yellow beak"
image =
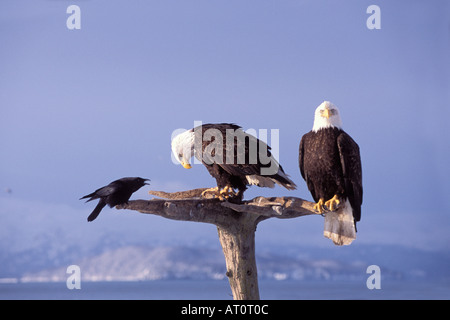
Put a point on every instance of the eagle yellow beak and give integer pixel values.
(186, 165)
(326, 113)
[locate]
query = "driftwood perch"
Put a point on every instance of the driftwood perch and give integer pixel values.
(236, 225)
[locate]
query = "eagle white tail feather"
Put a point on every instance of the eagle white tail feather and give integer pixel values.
(339, 225)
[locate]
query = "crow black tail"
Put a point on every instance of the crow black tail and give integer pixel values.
(101, 204)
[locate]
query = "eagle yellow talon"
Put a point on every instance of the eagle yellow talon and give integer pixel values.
(319, 206)
(333, 203)
(226, 193)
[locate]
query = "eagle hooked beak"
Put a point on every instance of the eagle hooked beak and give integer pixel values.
(326, 113)
(186, 165)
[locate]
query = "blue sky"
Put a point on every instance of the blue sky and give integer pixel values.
(80, 108)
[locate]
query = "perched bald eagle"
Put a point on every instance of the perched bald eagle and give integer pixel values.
(233, 157)
(330, 163)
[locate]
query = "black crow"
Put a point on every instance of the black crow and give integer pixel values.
(115, 193)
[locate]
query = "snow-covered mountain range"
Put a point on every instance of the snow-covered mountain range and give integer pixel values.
(140, 263)
(39, 241)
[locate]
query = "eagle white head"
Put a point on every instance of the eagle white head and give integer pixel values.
(326, 116)
(183, 148)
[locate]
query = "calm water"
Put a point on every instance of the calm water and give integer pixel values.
(220, 290)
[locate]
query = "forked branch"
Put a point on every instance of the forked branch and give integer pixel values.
(236, 224)
(188, 206)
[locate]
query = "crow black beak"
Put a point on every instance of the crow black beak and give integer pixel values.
(145, 183)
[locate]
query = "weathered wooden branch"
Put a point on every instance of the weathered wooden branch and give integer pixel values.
(236, 225)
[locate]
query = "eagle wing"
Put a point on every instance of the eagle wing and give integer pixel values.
(251, 159)
(352, 170)
(301, 153)
(247, 157)
(301, 162)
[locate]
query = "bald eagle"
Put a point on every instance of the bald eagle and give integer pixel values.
(330, 163)
(233, 157)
